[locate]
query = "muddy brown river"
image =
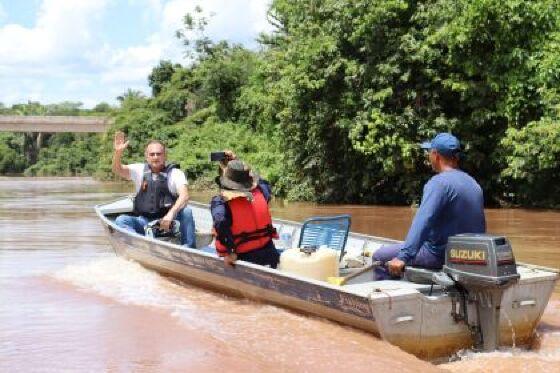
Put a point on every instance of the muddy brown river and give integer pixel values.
(67, 303)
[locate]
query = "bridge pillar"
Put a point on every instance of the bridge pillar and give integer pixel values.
(39, 142)
(32, 145)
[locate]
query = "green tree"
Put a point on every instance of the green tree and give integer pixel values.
(219, 70)
(161, 75)
(532, 152)
(12, 160)
(102, 107)
(178, 97)
(359, 85)
(132, 99)
(222, 74)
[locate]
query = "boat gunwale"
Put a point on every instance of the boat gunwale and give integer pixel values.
(404, 292)
(555, 272)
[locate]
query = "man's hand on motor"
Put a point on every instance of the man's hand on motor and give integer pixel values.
(166, 221)
(119, 142)
(395, 266)
(229, 260)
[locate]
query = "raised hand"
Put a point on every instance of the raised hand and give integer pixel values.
(119, 142)
(230, 156)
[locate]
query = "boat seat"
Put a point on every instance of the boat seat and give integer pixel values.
(420, 275)
(331, 231)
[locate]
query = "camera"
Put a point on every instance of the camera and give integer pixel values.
(217, 156)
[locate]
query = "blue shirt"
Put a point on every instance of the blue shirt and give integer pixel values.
(221, 214)
(452, 203)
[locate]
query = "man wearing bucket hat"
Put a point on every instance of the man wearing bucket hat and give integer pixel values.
(452, 203)
(241, 217)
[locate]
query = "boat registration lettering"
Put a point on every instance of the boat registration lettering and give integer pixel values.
(467, 256)
(348, 303)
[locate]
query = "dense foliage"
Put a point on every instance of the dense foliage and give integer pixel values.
(333, 104)
(368, 80)
(12, 160)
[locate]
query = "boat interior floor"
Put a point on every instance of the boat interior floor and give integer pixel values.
(367, 288)
(364, 285)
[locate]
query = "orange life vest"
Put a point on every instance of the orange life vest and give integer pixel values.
(251, 224)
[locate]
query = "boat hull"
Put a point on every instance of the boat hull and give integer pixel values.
(406, 316)
(244, 280)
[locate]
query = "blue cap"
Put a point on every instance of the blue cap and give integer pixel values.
(444, 143)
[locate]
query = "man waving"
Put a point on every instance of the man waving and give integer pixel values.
(161, 191)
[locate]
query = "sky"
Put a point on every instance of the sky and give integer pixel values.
(92, 51)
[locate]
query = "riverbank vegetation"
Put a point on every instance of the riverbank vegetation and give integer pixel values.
(332, 105)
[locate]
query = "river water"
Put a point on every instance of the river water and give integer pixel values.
(67, 303)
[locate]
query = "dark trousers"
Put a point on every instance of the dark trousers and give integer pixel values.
(424, 258)
(268, 255)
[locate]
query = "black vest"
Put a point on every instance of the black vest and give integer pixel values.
(154, 199)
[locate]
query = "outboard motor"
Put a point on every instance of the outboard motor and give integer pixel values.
(153, 230)
(484, 267)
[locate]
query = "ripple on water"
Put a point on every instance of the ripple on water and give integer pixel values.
(270, 334)
(544, 356)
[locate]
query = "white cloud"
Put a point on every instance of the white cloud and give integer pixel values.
(78, 84)
(62, 58)
(236, 21)
(131, 64)
(230, 22)
(152, 10)
(62, 30)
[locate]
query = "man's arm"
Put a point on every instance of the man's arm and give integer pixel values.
(265, 189)
(432, 203)
(119, 146)
(433, 200)
(221, 219)
(180, 203)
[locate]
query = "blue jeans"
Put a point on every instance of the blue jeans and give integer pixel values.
(424, 258)
(137, 224)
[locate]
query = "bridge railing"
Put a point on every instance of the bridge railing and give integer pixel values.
(51, 124)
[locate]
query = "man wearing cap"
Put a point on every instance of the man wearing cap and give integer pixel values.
(452, 203)
(242, 220)
(161, 191)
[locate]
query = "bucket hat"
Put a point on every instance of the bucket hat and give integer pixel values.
(238, 176)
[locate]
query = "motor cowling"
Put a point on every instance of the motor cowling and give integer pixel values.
(484, 266)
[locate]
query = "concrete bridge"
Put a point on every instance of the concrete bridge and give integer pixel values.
(37, 129)
(52, 124)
